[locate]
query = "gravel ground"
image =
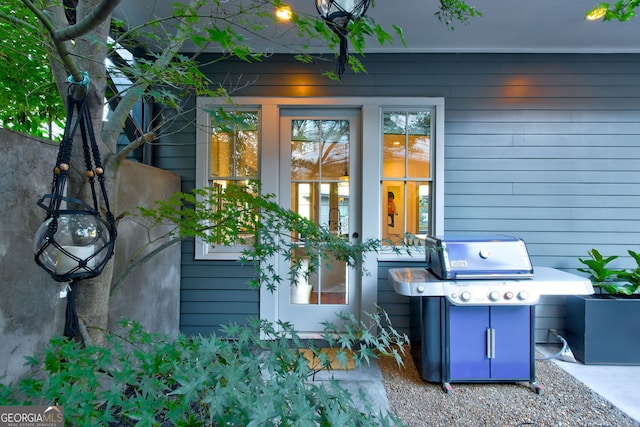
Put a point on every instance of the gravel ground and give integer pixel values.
(565, 401)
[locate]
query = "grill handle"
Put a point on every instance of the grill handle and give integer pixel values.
(491, 343)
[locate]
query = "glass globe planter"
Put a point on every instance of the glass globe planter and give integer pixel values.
(75, 245)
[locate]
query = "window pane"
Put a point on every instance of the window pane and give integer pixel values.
(424, 208)
(407, 169)
(323, 286)
(419, 123)
(417, 208)
(394, 145)
(221, 155)
(302, 199)
(234, 145)
(243, 218)
(246, 154)
(326, 196)
(393, 210)
(419, 144)
(419, 165)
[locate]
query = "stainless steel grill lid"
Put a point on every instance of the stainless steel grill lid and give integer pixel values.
(478, 257)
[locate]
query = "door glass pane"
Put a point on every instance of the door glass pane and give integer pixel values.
(320, 193)
(335, 148)
(305, 149)
(343, 208)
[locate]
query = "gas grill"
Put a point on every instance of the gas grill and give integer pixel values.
(473, 308)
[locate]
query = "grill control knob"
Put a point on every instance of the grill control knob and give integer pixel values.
(508, 295)
(523, 295)
(420, 289)
(465, 296)
(494, 296)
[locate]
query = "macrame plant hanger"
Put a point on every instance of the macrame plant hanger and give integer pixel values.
(75, 242)
(338, 18)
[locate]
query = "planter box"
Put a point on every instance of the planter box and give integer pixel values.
(604, 330)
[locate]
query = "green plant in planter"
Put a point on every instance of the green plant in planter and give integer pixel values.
(620, 282)
(631, 276)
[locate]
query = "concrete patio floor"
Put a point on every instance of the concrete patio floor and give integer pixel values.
(620, 385)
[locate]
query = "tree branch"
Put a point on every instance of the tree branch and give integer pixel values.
(112, 128)
(147, 137)
(60, 46)
(99, 13)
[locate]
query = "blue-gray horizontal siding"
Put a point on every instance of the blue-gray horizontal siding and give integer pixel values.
(214, 293)
(542, 146)
(395, 305)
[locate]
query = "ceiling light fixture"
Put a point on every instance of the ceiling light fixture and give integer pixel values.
(597, 13)
(338, 15)
(284, 13)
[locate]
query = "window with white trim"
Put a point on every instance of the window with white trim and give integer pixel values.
(406, 173)
(231, 148)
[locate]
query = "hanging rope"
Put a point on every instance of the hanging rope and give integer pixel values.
(75, 242)
(338, 19)
(71, 324)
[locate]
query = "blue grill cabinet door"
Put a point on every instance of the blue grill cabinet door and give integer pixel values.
(467, 343)
(489, 343)
(512, 342)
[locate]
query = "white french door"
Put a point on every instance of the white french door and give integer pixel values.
(319, 180)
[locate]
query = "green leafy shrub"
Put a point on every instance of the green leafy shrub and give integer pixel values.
(241, 215)
(253, 375)
(621, 282)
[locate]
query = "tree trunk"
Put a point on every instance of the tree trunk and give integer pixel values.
(92, 297)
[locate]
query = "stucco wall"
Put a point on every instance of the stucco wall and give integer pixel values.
(31, 310)
(151, 294)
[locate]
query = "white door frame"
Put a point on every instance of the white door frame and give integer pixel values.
(307, 318)
(369, 169)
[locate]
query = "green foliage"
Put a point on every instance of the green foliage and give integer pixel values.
(622, 10)
(456, 11)
(238, 214)
(622, 282)
(143, 379)
(29, 100)
(632, 276)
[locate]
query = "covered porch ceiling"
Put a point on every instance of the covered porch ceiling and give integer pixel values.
(507, 26)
